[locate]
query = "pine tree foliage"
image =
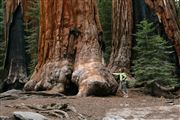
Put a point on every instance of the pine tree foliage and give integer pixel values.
(152, 63)
(2, 41)
(178, 10)
(32, 34)
(105, 12)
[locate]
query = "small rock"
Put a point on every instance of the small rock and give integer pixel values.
(121, 105)
(112, 117)
(126, 105)
(29, 116)
(4, 118)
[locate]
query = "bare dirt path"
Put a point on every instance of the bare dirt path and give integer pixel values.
(93, 108)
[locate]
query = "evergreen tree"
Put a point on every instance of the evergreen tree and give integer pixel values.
(151, 64)
(2, 42)
(178, 10)
(105, 13)
(32, 34)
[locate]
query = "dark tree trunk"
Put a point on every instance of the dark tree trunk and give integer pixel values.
(120, 59)
(69, 49)
(166, 12)
(141, 12)
(15, 64)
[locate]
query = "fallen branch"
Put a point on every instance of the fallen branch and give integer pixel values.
(35, 107)
(51, 114)
(62, 112)
(44, 93)
(81, 117)
(167, 89)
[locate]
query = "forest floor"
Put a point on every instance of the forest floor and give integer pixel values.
(97, 108)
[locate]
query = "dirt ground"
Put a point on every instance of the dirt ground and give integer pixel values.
(93, 108)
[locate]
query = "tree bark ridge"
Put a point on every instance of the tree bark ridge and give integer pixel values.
(120, 58)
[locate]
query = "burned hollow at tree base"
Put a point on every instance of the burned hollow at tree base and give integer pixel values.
(15, 62)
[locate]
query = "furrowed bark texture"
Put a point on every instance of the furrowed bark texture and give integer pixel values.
(54, 53)
(69, 49)
(166, 12)
(89, 73)
(120, 58)
(15, 54)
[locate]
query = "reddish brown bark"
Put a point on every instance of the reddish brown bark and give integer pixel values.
(69, 41)
(89, 72)
(53, 54)
(166, 12)
(121, 36)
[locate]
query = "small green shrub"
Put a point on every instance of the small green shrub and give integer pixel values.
(152, 62)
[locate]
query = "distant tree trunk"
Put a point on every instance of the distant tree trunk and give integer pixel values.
(141, 12)
(161, 12)
(120, 59)
(69, 49)
(15, 64)
(166, 13)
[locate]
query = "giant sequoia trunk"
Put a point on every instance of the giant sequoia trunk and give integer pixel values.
(120, 58)
(69, 49)
(15, 54)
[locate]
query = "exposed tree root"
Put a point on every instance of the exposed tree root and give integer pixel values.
(44, 93)
(56, 110)
(18, 94)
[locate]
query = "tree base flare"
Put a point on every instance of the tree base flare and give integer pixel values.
(94, 79)
(53, 76)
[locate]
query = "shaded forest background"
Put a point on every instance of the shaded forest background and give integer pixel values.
(169, 74)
